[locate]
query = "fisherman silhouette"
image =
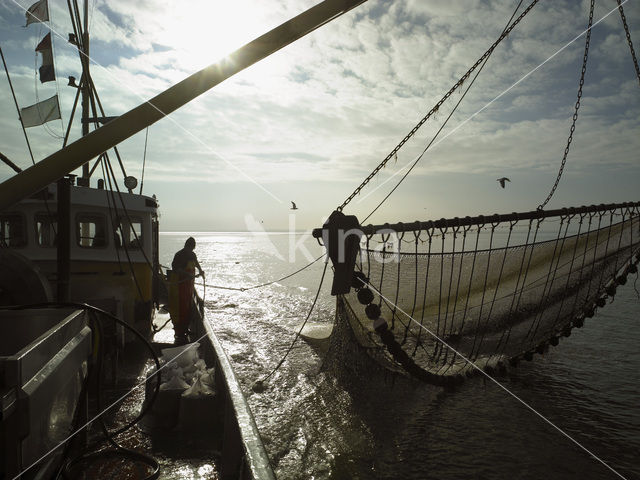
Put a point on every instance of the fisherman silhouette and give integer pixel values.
(184, 267)
(293, 206)
(502, 180)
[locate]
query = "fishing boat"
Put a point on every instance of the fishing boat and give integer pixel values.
(81, 276)
(494, 302)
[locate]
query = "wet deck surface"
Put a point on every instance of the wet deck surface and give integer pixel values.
(184, 447)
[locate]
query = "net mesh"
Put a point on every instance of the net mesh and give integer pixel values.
(488, 292)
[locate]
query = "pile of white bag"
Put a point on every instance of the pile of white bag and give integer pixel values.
(182, 369)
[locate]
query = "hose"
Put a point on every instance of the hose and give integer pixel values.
(118, 450)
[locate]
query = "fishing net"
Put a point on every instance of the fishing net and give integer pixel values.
(487, 290)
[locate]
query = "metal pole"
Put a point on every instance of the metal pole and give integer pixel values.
(76, 154)
(86, 85)
(96, 98)
(6, 160)
(73, 112)
(144, 160)
(482, 219)
(64, 238)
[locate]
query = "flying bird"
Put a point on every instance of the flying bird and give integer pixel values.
(502, 180)
(293, 206)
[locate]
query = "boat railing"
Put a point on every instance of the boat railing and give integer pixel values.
(243, 453)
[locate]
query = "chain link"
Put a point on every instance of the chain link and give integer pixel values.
(575, 113)
(437, 106)
(626, 30)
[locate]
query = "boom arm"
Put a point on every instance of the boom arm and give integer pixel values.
(84, 149)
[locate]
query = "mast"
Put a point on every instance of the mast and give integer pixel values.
(89, 146)
(84, 58)
(80, 38)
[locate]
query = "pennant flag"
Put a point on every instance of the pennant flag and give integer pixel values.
(38, 12)
(41, 112)
(47, 73)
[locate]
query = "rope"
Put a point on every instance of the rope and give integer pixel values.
(144, 159)
(584, 254)
(575, 113)
(244, 289)
(455, 304)
(426, 285)
(436, 351)
(126, 212)
(109, 195)
(72, 115)
(15, 101)
(573, 258)
(157, 329)
(393, 313)
(483, 330)
(482, 301)
(448, 293)
(459, 83)
(592, 274)
(259, 383)
(74, 14)
(549, 279)
(473, 269)
(110, 175)
(95, 98)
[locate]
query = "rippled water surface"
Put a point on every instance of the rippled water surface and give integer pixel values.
(315, 426)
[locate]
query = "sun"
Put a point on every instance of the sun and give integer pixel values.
(208, 30)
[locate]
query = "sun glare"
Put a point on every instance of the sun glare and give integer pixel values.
(210, 29)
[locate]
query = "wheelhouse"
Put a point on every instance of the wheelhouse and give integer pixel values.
(113, 247)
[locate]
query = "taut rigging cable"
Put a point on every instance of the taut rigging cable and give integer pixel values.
(462, 79)
(244, 289)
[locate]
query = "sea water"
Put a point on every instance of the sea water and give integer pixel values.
(585, 391)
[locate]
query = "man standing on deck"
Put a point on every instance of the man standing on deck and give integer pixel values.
(184, 266)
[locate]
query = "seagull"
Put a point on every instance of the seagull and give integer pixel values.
(502, 180)
(293, 206)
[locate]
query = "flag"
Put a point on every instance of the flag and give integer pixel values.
(38, 12)
(41, 112)
(47, 73)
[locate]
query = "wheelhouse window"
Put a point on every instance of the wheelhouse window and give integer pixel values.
(129, 234)
(46, 230)
(12, 230)
(91, 231)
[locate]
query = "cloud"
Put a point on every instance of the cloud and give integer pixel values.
(335, 103)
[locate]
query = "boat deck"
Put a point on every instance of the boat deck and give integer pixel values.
(183, 447)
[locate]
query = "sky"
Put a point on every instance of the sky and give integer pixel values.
(309, 123)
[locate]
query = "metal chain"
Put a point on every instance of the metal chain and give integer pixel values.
(575, 113)
(626, 30)
(505, 33)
